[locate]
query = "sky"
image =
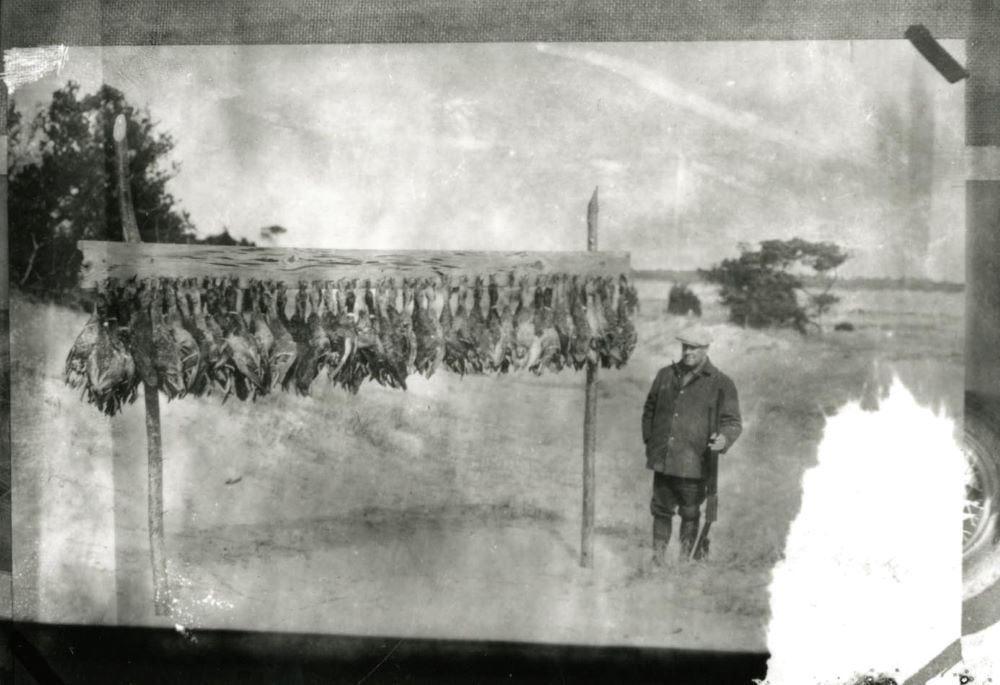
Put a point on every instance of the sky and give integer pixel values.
(695, 147)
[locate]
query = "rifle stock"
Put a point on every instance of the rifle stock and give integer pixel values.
(712, 468)
(711, 465)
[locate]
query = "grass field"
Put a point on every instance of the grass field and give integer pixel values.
(452, 509)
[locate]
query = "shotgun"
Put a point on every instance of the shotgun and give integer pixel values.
(700, 547)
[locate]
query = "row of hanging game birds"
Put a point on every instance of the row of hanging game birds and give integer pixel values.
(213, 337)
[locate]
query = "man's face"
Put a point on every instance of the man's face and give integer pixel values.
(691, 355)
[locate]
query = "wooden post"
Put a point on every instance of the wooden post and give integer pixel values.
(154, 448)
(589, 424)
(130, 228)
(291, 266)
(157, 543)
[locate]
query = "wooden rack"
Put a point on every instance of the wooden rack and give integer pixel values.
(103, 260)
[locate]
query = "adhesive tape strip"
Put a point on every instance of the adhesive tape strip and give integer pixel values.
(983, 163)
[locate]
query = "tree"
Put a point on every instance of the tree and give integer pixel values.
(682, 301)
(62, 185)
(762, 287)
(269, 233)
(224, 238)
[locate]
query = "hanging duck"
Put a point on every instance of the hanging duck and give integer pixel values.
(545, 350)
(424, 330)
(314, 353)
(240, 349)
(480, 348)
(284, 351)
(111, 377)
(184, 341)
(166, 353)
(75, 371)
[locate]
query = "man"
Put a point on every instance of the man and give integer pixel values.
(692, 408)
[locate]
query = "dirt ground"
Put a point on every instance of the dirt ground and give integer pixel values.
(450, 510)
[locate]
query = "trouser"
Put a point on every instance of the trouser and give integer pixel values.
(673, 494)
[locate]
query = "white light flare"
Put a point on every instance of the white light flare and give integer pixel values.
(871, 580)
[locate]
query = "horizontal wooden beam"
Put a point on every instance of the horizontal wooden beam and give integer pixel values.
(103, 260)
(195, 22)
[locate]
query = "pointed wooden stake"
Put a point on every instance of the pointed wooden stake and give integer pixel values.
(154, 446)
(589, 424)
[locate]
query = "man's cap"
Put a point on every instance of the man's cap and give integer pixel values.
(697, 336)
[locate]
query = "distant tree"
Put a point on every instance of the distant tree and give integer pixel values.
(820, 303)
(224, 238)
(762, 287)
(682, 301)
(62, 185)
(269, 233)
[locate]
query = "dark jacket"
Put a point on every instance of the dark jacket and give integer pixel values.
(678, 422)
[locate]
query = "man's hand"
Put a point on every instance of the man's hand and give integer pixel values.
(717, 442)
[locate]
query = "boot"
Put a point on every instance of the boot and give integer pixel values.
(689, 533)
(661, 536)
(701, 551)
